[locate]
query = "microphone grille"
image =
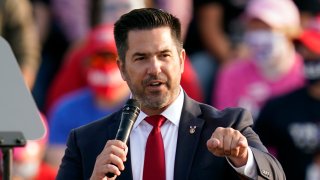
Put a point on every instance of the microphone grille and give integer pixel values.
(133, 103)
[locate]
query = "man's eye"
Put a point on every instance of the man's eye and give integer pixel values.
(139, 58)
(165, 55)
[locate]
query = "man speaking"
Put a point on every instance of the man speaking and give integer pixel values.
(173, 137)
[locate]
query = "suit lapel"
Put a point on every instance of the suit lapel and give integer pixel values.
(187, 139)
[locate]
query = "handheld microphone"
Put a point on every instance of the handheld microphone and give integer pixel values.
(130, 112)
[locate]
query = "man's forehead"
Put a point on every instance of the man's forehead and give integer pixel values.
(158, 38)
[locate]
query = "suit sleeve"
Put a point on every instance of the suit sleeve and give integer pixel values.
(268, 166)
(70, 167)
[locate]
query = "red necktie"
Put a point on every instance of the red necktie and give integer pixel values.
(154, 160)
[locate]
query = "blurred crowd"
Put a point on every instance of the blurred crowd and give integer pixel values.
(262, 55)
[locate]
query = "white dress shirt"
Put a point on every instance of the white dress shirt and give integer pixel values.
(169, 130)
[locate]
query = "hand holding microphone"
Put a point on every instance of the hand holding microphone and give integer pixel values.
(110, 161)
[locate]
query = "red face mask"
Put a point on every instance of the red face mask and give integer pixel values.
(105, 80)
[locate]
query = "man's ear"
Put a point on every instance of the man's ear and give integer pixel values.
(182, 59)
(120, 64)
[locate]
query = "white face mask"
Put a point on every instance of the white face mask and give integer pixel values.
(267, 48)
(25, 170)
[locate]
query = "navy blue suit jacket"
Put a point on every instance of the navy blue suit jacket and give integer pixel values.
(192, 161)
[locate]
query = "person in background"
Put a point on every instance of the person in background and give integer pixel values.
(212, 38)
(272, 67)
(72, 74)
(189, 140)
(104, 93)
(289, 124)
(18, 28)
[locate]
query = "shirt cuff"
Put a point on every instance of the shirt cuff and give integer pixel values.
(250, 169)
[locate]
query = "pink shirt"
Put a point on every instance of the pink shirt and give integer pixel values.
(242, 84)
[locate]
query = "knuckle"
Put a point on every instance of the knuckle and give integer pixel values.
(229, 130)
(220, 128)
(112, 146)
(110, 156)
(236, 133)
(109, 143)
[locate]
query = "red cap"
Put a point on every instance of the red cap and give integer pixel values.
(101, 39)
(310, 37)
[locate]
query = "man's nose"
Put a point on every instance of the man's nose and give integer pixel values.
(154, 66)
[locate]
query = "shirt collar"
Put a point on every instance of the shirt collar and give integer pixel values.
(172, 113)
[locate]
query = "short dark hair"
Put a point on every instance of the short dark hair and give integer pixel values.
(144, 19)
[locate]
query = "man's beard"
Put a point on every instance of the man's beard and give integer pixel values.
(152, 100)
(156, 100)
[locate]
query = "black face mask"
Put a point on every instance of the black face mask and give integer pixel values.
(312, 71)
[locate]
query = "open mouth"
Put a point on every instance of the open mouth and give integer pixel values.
(155, 85)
